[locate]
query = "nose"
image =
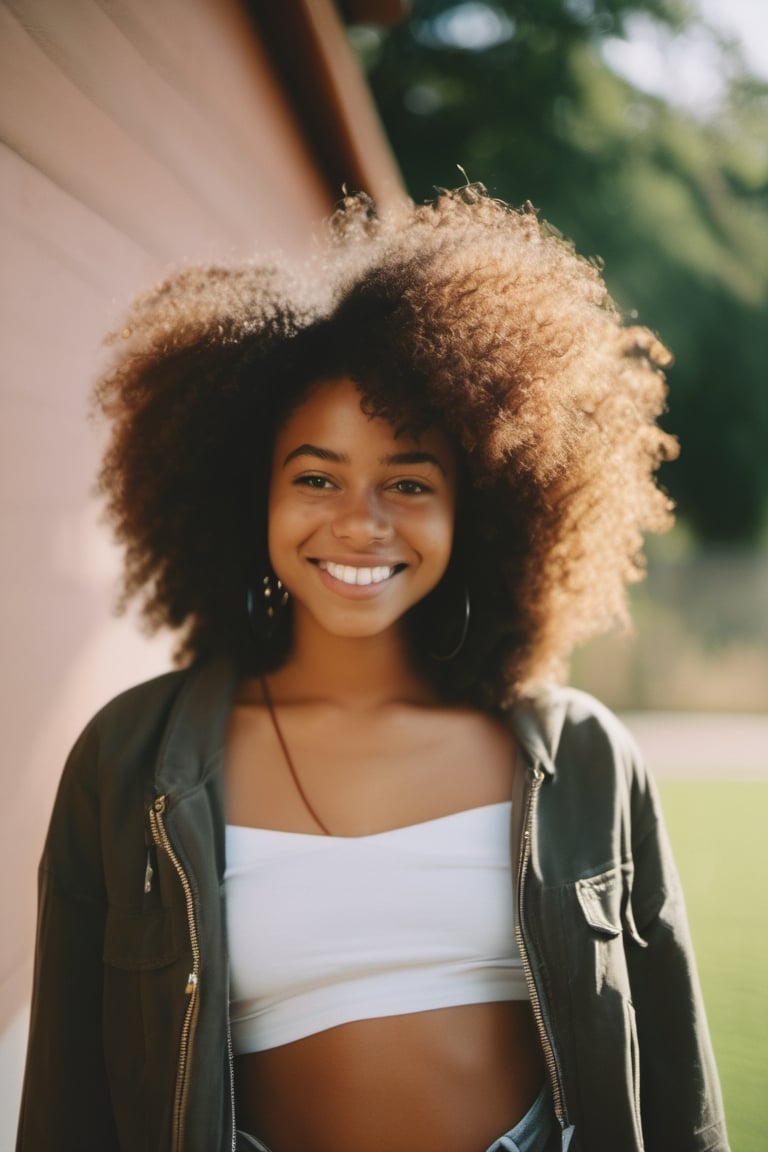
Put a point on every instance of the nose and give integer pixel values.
(362, 518)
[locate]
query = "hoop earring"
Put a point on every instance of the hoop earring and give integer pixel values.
(444, 658)
(264, 619)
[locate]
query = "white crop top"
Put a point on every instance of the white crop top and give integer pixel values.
(324, 930)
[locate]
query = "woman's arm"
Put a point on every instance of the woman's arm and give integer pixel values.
(681, 1103)
(66, 1100)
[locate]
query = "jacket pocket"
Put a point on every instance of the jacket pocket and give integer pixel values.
(139, 941)
(605, 906)
(600, 931)
(606, 903)
(600, 898)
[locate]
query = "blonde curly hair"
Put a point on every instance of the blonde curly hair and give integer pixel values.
(462, 311)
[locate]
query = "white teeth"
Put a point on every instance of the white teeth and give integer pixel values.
(350, 575)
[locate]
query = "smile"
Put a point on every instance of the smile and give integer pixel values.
(348, 574)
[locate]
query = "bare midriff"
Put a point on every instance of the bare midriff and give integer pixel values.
(445, 1080)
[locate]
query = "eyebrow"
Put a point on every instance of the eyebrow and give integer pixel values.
(414, 457)
(318, 453)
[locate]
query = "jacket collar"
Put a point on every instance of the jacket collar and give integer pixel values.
(195, 735)
(538, 725)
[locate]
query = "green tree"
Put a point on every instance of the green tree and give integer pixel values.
(521, 96)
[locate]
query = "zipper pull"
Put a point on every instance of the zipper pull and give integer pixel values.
(191, 983)
(149, 873)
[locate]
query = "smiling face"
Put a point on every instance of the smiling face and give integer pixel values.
(360, 519)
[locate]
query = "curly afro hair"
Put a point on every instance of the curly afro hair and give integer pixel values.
(462, 311)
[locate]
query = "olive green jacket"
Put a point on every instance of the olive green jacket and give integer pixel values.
(129, 1045)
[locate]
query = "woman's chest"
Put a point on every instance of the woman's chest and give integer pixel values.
(363, 775)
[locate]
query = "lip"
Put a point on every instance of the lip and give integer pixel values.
(364, 591)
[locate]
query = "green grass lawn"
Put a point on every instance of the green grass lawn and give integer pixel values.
(719, 834)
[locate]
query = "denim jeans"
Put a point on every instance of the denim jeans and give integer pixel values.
(538, 1131)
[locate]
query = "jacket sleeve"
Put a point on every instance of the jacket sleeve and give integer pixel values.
(681, 1104)
(65, 1101)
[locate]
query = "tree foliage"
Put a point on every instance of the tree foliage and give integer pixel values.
(676, 204)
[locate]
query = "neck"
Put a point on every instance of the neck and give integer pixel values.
(355, 672)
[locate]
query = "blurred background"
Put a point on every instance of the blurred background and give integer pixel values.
(140, 134)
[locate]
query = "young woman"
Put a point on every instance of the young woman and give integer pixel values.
(360, 875)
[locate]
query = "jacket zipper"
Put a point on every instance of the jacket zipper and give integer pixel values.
(160, 837)
(231, 1059)
(538, 1015)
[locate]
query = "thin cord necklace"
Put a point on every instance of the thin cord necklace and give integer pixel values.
(287, 755)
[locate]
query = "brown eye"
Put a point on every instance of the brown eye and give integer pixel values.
(317, 483)
(411, 487)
